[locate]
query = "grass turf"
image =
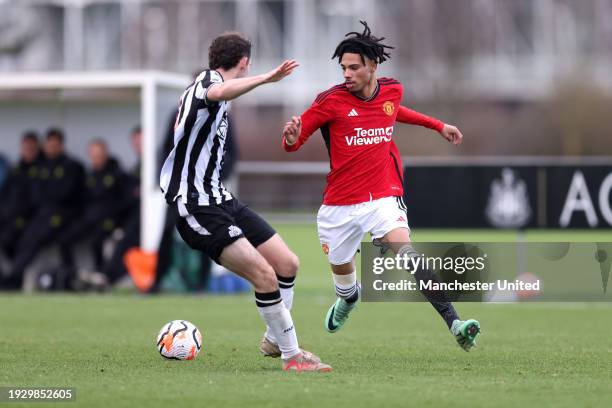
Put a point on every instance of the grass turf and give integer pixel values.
(387, 354)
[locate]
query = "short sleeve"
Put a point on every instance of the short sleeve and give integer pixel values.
(204, 82)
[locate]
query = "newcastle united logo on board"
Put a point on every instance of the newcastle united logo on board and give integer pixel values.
(508, 205)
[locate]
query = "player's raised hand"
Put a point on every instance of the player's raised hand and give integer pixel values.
(284, 69)
(452, 134)
(292, 129)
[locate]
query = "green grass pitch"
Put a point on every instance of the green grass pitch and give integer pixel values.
(557, 355)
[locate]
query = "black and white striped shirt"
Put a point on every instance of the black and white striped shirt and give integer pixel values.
(192, 170)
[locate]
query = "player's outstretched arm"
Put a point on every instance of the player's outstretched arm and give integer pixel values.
(233, 88)
(412, 117)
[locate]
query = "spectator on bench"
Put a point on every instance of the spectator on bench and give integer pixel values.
(114, 269)
(58, 194)
(103, 201)
(17, 204)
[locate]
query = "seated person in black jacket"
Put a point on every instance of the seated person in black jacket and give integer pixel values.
(103, 201)
(114, 269)
(58, 197)
(18, 205)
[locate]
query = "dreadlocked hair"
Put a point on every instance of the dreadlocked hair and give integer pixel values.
(364, 44)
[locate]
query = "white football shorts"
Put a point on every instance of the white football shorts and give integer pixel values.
(342, 227)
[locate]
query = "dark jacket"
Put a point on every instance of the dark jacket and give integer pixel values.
(19, 194)
(61, 184)
(105, 189)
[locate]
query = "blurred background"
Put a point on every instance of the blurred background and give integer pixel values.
(527, 82)
(519, 76)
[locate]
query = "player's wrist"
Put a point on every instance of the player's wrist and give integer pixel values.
(266, 78)
(288, 143)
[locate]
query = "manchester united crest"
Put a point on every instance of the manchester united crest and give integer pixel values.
(325, 248)
(388, 107)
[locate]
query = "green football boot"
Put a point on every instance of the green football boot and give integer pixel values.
(338, 314)
(465, 332)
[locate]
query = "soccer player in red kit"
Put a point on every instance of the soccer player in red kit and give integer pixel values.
(364, 186)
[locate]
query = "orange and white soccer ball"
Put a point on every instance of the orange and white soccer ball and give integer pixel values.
(179, 340)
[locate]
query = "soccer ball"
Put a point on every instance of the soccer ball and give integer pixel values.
(179, 340)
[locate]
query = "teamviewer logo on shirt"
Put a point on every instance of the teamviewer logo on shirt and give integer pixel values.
(370, 136)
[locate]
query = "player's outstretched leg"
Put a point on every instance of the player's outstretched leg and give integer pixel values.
(348, 292)
(243, 259)
(465, 332)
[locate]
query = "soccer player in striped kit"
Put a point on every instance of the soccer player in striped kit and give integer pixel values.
(364, 191)
(209, 218)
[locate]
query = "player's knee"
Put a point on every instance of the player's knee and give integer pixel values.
(289, 266)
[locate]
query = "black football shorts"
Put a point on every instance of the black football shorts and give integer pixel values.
(212, 228)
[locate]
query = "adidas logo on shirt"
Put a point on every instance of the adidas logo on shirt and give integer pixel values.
(353, 112)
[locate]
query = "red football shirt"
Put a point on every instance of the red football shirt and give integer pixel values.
(364, 161)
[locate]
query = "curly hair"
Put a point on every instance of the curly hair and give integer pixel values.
(364, 44)
(227, 50)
